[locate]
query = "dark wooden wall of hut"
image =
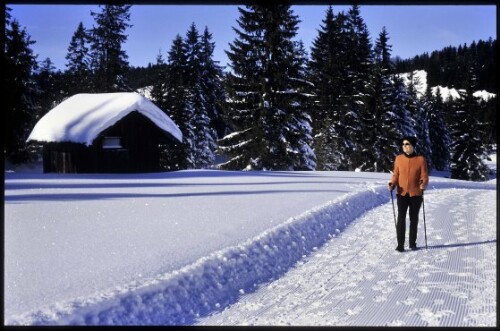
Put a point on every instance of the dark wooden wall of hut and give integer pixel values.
(67, 157)
(139, 137)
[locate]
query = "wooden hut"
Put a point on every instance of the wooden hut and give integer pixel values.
(106, 132)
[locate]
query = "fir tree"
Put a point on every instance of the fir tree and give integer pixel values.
(399, 101)
(266, 93)
(109, 61)
(204, 142)
(299, 127)
(19, 90)
(187, 92)
(357, 116)
(158, 95)
(467, 148)
(420, 120)
(49, 81)
(327, 71)
(179, 107)
(78, 70)
(385, 145)
(159, 88)
(438, 130)
(212, 78)
(489, 117)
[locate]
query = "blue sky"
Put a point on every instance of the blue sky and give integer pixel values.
(412, 29)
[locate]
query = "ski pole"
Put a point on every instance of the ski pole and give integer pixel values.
(394, 211)
(425, 228)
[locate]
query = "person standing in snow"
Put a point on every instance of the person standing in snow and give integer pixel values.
(411, 177)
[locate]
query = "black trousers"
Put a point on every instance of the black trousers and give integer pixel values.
(413, 203)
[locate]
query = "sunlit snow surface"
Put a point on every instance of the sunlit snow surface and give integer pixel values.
(174, 248)
(357, 279)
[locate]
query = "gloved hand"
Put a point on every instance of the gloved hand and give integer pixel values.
(391, 186)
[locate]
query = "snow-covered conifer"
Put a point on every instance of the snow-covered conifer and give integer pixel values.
(212, 78)
(327, 70)
(203, 143)
(78, 69)
(19, 89)
(108, 59)
(266, 94)
(468, 148)
(159, 87)
(50, 87)
(438, 130)
(405, 124)
(179, 106)
(358, 118)
(420, 118)
(385, 144)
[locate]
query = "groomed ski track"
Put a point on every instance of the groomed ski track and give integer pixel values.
(360, 280)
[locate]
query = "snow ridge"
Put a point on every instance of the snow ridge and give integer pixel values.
(215, 281)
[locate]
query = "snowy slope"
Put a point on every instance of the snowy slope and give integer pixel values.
(167, 248)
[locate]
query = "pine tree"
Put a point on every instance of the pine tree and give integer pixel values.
(204, 142)
(78, 66)
(357, 116)
(327, 71)
(108, 60)
(266, 92)
(212, 84)
(158, 95)
(399, 101)
(438, 130)
(19, 90)
(178, 106)
(385, 145)
(299, 127)
(420, 120)
(489, 117)
(467, 148)
(49, 82)
(159, 88)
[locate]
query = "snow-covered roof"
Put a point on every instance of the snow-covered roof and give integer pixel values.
(82, 117)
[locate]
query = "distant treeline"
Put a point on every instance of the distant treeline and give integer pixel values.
(446, 67)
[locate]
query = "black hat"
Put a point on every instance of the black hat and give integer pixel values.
(412, 140)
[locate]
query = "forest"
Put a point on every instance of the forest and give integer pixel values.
(341, 105)
(446, 67)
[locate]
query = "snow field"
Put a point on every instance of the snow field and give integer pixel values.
(357, 279)
(99, 258)
(217, 280)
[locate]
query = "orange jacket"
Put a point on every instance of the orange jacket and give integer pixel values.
(409, 172)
